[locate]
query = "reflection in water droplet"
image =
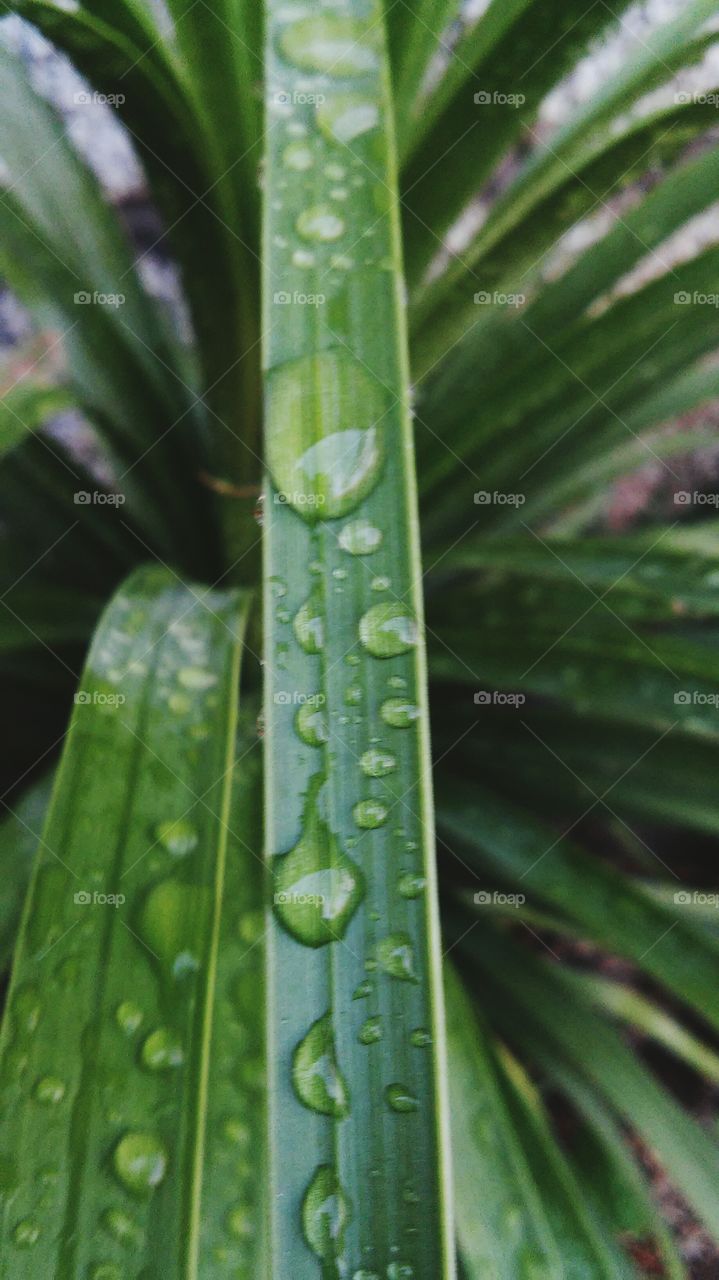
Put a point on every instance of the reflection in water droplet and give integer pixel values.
(309, 624)
(311, 725)
(387, 630)
(376, 764)
(321, 224)
(317, 887)
(128, 1017)
(360, 538)
(399, 713)
(50, 1090)
(370, 1031)
(27, 1008)
(162, 1050)
(345, 116)
(395, 955)
(178, 837)
(140, 1162)
(318, 1082)
(164, 923)
(370, 814)
(325, 1214)
(331, 43)
(400, 1098)
(325, 443)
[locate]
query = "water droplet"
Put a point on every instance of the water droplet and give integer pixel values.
(26, 1233)
(309, 624)
(27, 1009)
(353, 695)
(397, 682)
(162, 1050)
(178, 837)
(363, 990)
(320, 224)
(395, 955)
(140, 1162)
(165, 920)
(341, 262)
(346, 116)
(387, 630)
(179, 703)
(240, 1223)
(325, 443)
(363, 1274)
(196, 678)
(121, 1226)
(360, 538)
(400, 1098)
(50, 1090)
(298, 156)
(376, 764)
(370, 814)
(316, 1077)
(400, 1271)
(325, 1214)
(411, 886)
(317, 887)
(380, 583)
(420, 1038)
(399, 713)
(370, 1031)
(303, 258)
(311, 725)
(331, 43)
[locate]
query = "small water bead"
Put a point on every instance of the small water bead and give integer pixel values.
(325, 1214)
(411, 886)
(317, 1080)
(26, 1233)
(27, 1008)
(240, 1223)
(162, 1051)
(303, 258)
(339, 193)
(401, 1099)
(346, 116)
(360, 538)
(339, 574)
(177, 836)
(395, 955)
(298, 156)
(377, 764)
(179, 703)
(380, 583)
(325, 442)
(387, 630)
(341, 262)
(140, 1162)
(370, 1031)
(309, 624)
(317, 887)
(320, 223)
(50, 1090)
(353, 695)
(336, 172)
(399, 713)
(196, 678)
(121, 1226)
(364, 990)
(237, 1132)
(311, 725)
(370, 814)
(331, 43)
(400, 1271)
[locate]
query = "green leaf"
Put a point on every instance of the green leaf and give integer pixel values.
(106, 1042)
(358, 1150)
(20, 835)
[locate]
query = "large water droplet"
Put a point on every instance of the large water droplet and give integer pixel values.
(346, 116)
(370, 814)
(311, 725)
(325, 440)
(387, 630)
(325, 1214)
(395, 955)
(318, 1082)
(400, 1098)
(317, 887)
(399, 713)
(331, 43)
(178, 837)
(376, 764)
(309, 624)
(360, 538)
(320, 224)
(162, 1050)
(140, 1162)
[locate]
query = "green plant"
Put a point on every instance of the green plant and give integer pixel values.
(208, 1069)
